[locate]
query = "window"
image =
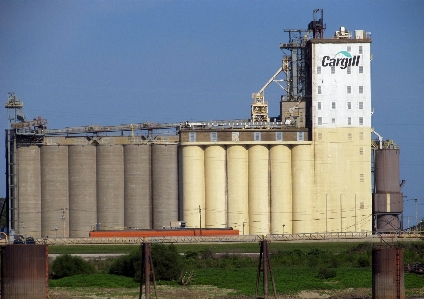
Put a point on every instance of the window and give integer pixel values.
(361, 89)
(349, 136)
(192, 136)
(349, 121)
(214, 136)
(278, 136)
(319, 89)
(333, 120)
(349, 70)
(361, 69)
(333, 69)
(257, 136)
(319, 105)
(362, 205)
(349, 89)
(349, 105)
(361, 105)
(349, 48)
(318, 70)
(319, 136)
(361, 120)
(361, 177)
(333, 105)
(360, 50)
(361, 135)
(319, 120)
(361, 150)
(300, 136)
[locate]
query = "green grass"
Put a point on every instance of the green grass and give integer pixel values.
(81, 249)
(94, 280)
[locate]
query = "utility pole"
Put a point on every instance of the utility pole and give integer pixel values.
(416, 213)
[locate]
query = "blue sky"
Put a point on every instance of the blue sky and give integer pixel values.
(119, 62)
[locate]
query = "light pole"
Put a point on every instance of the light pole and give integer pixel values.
(56, 231)
(243, 227)
(416, 213)
(283, 229)
(200, 216)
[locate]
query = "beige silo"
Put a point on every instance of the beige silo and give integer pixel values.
(29, 191)
(259, 220)
(137, 192)
(215, 187)
(110, 186)
(54, 191)
(237, 171)
(281, 189)
(193, 185)
(82, 190)
(302, 187)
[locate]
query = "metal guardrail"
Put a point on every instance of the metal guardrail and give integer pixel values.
(306, 237)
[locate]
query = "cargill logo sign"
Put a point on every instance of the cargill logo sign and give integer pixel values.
(342, 59)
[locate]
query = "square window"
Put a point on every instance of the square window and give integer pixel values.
(349, 48)
(349, 121)
(300, 136)
(319, 89)
(361, 105)
(192, 137)
(349, 89)
(333, 105)
(361, 89)
(257, 136)
(318, 70)
(349, 70)
(214, 136)
(278, 136)
(333, 69)
(349, 105)
(333, 120)
(319, 105)
(361, 69)
(319, 120)
(360, 50)
(361, 120)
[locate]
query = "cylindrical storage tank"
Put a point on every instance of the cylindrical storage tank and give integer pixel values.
(258, 190)
(388, 223)
(54, 191)
(138, 200)
(387, 273)
(164, 184)
(82, 190)
(237, 184)
(302, 187)
(193, 184)
(29, 191)
(281, 189)
(387, 171)
(215, 187)
(110, 186)
(24, 269)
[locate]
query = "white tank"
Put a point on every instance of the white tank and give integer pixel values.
(82, 190)
(193, 185)
(29, 191)
(137, 199)
(302, 187)
(281, 189)
(54, 191)
(237, 171)
(215, 187)
(110, 186)
(259, 190)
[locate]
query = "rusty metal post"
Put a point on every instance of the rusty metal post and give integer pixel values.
(264, 266)
(145, 270)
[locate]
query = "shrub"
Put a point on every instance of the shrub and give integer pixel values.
(326, 273)
(167, 263)
(67, 265)
(363, 261)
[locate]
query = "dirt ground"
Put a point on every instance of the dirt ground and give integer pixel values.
(193, 292)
